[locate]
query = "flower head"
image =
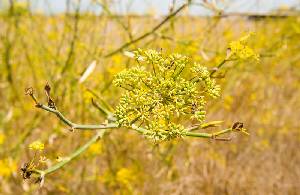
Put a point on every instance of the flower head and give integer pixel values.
(241, 50)
(7, 167)
(125, 176)
(36, 145)
(162, 89)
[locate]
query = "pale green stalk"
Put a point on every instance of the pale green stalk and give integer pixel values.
(72, 156)
(74, 125)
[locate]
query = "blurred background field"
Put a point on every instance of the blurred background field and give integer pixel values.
(38, 48)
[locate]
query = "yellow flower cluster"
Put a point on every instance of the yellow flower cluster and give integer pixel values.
(95, 149)
(160, 91)
(241, 50)
(2, 138)
(7, 167)
(123, 180)
(36, 145)
(125, 176)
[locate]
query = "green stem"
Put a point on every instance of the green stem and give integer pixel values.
(218, 67)
(101, 108)
(208, 135)
(74, 125)
(222, 132)
(203, 135)
(75, 154)
(188, 133)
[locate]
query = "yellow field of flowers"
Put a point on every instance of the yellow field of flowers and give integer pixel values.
(78, 55)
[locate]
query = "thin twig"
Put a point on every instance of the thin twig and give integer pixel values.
(189, 134)
(158, 26)
(74, 125)
(69, 62)
(103, 110)
(59, 115)
(117, 18)
(72, 156)
(218, 67)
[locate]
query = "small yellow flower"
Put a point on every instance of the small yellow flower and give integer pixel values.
(125, 176)
(87, 96)
(37, 145)
(7, 167)
(241, 50)
(2, 138)
(95, 149)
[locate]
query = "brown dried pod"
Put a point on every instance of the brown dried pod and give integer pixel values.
(237, 126)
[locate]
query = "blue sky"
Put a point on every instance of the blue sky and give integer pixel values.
(161, 6)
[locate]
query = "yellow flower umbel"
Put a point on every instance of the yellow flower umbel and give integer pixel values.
(36, 145)
(241, 50)
(162, 89)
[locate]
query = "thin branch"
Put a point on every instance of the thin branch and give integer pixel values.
(218, 67)
(74, 125)
(209, 135)
(117, 18)
(69, 62)
(9, 44)
(158, 26)
(190, 134)
(72, 156)
(101, 108)
(102, 101)
(205, 125)
(59, 115)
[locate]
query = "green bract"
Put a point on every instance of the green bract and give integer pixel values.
(160, 90)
